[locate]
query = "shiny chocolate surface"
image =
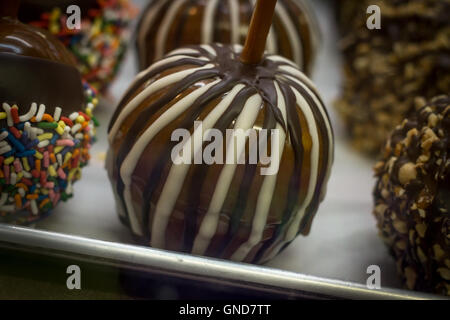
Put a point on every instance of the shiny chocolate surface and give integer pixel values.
(36, 67)
(177, 208)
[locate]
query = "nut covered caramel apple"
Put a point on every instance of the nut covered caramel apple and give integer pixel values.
(385, 70)
(228, 206)
(169, 24)
(412, 197)
(46, 122)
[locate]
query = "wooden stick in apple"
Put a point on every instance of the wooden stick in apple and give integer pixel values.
(255, 42)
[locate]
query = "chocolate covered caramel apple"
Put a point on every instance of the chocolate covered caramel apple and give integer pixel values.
(98, 44)
(181, 180)
(46, 123)
(169, 24)
(412, 197)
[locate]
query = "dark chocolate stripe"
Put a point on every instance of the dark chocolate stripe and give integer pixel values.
(195, 110)
(267, 92)
(185, 13)
(291, 10)
(324, 151)
(132, 89)
(152, 32)
(199, 175)
(310, 87)
(217, 15)
(174, 91)
(322, 170)
(295, 134)
(247, 183)
(135, 128)
(142, 59)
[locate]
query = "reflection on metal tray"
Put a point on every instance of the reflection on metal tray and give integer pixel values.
(192, 268)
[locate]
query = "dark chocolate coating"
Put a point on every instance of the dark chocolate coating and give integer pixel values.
(24, 40)
(31, 10)
(36, 67)
(24, 80)
(412, 197)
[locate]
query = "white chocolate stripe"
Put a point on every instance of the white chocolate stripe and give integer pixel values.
(276, 58)
(185, 51)
(271, 45)
(314, 132)
(294, 226)
(210, 49)
(312, 22)
(292, 230)
(234, 21)
(295, 73)
(108, 164)
(177, 174)
(321, 108)
(208, 21)
(208, 227)
(325, 118)
(132, 158)
(164, 29)
(172, 57)
(291, 32)
(154, 87)
(265, 195)
(146, 26)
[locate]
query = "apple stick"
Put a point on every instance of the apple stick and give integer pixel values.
(255, 42)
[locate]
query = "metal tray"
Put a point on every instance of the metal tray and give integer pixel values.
(208, 270)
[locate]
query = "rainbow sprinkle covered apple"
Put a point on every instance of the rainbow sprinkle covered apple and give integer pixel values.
(46, 123)
(100, 41)
(227, 202)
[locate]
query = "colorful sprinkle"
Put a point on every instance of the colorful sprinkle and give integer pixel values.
(40, 155)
